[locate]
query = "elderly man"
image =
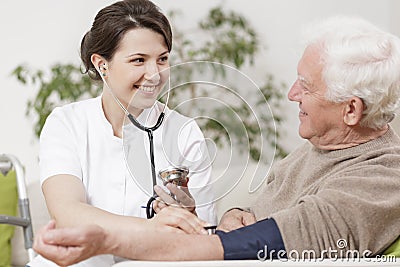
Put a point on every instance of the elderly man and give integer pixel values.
(339, 191)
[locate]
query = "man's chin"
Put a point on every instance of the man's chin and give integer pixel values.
(303, 134)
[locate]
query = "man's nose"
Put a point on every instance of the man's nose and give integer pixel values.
(295, 92)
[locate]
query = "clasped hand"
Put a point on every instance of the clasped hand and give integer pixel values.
(66, 246)
(182, 198)
(234, 219)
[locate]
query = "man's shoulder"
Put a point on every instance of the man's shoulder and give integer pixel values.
(300, 150)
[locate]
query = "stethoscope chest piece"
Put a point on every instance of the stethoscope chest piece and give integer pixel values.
(174, 175)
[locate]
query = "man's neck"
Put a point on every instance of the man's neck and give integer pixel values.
(351, 137)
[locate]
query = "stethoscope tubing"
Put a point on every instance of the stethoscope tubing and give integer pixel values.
(149, 130)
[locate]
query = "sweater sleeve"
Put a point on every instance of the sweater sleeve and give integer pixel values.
(353, 212)
(261, 240)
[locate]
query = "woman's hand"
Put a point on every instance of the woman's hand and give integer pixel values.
(234, 219)
(183, 198)
(178, 220)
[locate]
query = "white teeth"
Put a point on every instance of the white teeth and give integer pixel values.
(147, 88)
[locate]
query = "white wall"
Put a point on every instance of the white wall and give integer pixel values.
(42, 32)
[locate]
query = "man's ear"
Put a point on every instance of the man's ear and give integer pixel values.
(353, 111)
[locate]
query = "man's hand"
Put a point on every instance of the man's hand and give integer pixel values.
(183, 198)
(66, 246)
(178, 220)
(234, 219)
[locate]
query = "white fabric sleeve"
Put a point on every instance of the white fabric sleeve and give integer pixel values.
(58, 152)
(194, 150)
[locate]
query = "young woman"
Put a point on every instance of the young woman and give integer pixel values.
(87, 148)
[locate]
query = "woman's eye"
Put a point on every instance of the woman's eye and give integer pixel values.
(137, 60)
(164, 59)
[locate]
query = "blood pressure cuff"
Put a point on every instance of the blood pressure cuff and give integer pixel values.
(261, 241)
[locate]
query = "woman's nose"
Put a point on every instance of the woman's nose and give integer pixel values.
(152, 72)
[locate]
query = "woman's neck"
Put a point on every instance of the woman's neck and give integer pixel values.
(113, 113)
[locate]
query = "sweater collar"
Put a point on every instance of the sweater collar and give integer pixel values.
(389, 138)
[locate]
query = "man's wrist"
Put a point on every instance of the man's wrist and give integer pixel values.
(246, 209)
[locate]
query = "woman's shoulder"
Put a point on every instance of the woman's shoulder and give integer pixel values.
(76, 113)
(79, 107)
(175, 116)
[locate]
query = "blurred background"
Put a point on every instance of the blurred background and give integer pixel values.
(42, 33)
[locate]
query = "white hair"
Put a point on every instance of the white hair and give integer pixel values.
(360, 60)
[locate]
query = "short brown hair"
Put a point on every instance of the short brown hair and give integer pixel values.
(112, 22)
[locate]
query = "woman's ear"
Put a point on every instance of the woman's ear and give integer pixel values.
(353, 111)
(97, 61)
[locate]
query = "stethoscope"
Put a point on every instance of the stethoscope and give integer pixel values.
(149, 130)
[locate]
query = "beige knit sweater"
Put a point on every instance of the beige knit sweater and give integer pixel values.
(319, 198)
